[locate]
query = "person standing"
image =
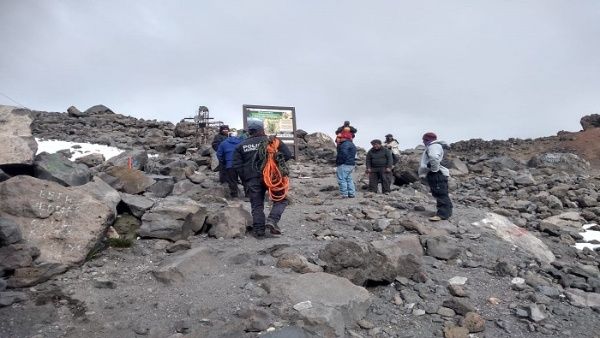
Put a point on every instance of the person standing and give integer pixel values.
(248, 163)
(437, 175)
(220, 137)
(345, 162)
(392, 144)
(225, 156)
(379, 167)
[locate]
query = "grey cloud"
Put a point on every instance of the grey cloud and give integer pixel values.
(463, 69)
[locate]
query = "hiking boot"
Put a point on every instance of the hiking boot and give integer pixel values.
(435, 218)
(273, 228)
(351, 196)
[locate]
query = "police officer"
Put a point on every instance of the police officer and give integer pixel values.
(248, 164)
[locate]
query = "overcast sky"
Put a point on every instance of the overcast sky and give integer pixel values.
(463, 69)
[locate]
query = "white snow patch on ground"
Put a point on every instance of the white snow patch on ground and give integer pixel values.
(589, 235)
(52, 146)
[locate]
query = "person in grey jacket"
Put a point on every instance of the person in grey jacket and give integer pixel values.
(379, 167)
(436, 175)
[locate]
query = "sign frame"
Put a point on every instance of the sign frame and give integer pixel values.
(249, 109)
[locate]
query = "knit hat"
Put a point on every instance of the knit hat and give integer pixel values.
(389, 136)
(429, 137)
(223, 128)
(255, 124)
(376, 141)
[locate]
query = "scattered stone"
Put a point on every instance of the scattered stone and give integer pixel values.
(180, 245)
(365, 324)
(297, 263)
(442, 247)
(583, 299)
(535, 313)
(56, 167)
(457, 280)
(229, 222)
(446, 312)
(10, 297)
(460, 306)
(173, 218)
(102, 283)
(457, 290)
(474, 322)
(456, 332)
(194, 262)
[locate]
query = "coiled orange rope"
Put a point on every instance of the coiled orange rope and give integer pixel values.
(277, 184)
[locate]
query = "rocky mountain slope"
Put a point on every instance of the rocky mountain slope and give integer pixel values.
(141, 245)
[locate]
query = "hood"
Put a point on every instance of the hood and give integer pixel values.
(444, 144)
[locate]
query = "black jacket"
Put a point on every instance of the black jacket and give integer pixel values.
(380, 158)
(245, 156)
(217, 140)
(346, 153)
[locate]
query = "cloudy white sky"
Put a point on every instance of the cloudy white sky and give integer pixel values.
(463, 69)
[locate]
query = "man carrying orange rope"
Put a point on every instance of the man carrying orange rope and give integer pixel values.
(260, 162)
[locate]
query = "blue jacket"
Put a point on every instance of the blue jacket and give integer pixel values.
(346, 153)
(226, 149)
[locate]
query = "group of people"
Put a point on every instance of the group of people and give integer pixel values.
(380, 162)
(242, 157)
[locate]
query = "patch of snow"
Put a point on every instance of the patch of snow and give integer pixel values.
(78, 149)
(588, 235)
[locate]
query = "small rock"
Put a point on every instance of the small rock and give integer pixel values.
(446, 312)
(418, 312)
(303, 305)
(180, 245)
(10, 297)
(457, 280)
(459, 306)
(457, 290)
(365, 324)
(456, 332)
(535, 313)
(102, 283)
(474, 322)
(494, 301)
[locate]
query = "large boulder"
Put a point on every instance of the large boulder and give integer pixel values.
(131, 181)
(102, 192)
(98, 109)
(136, 204)
(517, 236)
(405, 171)
(193, 263)
(137, 159)
(373, 263)
(229, 222)
(64, 223)
(17, 146)
(563, 161)
(590, 121)
(324, 303)
(56, 167)
(173, 218)
(319, 146)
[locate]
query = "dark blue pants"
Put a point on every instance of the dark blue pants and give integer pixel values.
(438, 183)
(257, 190)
